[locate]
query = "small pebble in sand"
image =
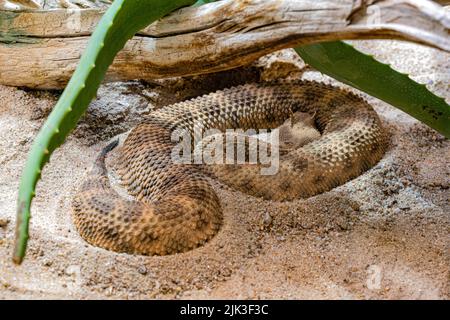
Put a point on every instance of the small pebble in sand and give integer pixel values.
(143, 270)
(4, 223)
(73, 270)
(48, 263)
(266, 221)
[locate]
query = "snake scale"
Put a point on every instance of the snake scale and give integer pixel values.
(174, 207)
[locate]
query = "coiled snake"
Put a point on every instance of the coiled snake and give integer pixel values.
(175, 208)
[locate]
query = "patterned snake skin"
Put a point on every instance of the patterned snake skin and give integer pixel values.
(174, 207)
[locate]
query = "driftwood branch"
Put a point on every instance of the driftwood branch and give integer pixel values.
(41, 49)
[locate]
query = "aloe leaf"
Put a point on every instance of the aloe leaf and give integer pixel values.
(202, 2)
(346, 64)
(119, 23)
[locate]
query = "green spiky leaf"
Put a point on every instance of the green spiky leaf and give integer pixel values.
(119, 23)
(346, 64)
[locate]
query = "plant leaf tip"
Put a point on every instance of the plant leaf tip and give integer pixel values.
(17, 259)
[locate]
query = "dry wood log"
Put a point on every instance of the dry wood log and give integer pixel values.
(41, 48)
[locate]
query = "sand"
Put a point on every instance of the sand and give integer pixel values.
(383, 235)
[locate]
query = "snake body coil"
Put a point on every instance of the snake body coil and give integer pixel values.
(175, 208)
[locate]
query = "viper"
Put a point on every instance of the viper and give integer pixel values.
(173, 206)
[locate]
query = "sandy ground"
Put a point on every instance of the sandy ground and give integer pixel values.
(383, 235)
